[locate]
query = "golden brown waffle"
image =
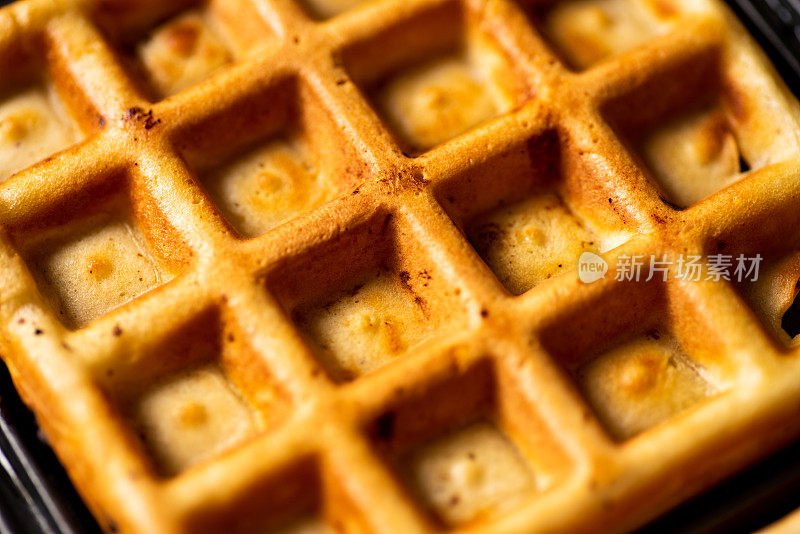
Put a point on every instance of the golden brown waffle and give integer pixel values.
(312, 264)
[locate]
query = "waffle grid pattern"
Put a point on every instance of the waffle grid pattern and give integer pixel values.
(330, 447)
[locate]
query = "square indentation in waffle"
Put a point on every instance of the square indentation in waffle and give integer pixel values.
(302, 497)
(522, 213)
(173, 46)
(685, 127)
(774, 295)
(436, 76)
(585, 32)
(762, 256)
(197, 393)
(290, 159)
(189, 416)
(636, 363)
(385, 297)
(34, 124)
(468, 447)
(325, 9)
(91, 256)
(641, 382)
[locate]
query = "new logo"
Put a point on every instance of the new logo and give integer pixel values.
(591, 267)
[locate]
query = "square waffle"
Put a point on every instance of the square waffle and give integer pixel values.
(310, 265)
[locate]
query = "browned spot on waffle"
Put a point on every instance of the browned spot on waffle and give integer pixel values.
(182, 37)
(664, 9)
(712, 135)
(146, 118)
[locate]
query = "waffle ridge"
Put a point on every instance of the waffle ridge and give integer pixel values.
(204, 300)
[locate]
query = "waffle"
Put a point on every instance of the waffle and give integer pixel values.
(312, 266)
